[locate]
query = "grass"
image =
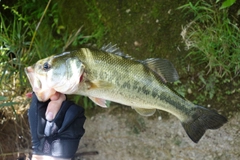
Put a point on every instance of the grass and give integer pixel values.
(22, 44)
(212, 38)
(23, 41)
(97, 20)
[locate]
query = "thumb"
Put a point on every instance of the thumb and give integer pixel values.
(54, 105)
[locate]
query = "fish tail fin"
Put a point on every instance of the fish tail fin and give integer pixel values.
(201, 120)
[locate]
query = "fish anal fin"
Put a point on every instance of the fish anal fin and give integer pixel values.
(163, 68)
(144, 112)
(99, 101)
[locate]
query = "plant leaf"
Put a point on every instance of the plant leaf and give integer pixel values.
(227, 3)
(7, 104)
(2, 98)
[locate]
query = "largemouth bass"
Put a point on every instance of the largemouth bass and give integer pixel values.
(108, 74)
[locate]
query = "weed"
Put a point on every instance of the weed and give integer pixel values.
(23, 41)
(97, 19)
(226, 3)
(213, 39)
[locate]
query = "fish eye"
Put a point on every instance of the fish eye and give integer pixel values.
(46, 66)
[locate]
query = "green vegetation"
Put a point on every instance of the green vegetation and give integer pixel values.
(25, 39)
(97, 20)
(226, 3)
(29, 31)
(213, 39)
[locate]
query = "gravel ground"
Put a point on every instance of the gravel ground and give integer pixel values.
(119, 133)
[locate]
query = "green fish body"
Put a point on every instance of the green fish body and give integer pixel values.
(107, 74)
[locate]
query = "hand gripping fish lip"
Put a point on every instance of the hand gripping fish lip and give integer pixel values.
(43, 92)
(46, 82)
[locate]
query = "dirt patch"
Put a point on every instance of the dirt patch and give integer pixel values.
(126, 135)
(120, 133)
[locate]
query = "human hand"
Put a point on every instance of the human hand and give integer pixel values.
(60, 136)
(53, 106)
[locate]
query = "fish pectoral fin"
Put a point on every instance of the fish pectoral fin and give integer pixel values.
(99, 101)
(96, 84)
(163, 68)
(145, 112)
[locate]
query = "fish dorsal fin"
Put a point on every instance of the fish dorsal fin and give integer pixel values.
(163, 68)
(144, 112)
(114, 50)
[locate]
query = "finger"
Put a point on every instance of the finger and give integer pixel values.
(29, 94)
(55, 96)
(54, 106)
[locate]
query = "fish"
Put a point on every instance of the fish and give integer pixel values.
(107, 74)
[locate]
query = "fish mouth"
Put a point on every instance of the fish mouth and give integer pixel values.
(30, 74)
(43, 93)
